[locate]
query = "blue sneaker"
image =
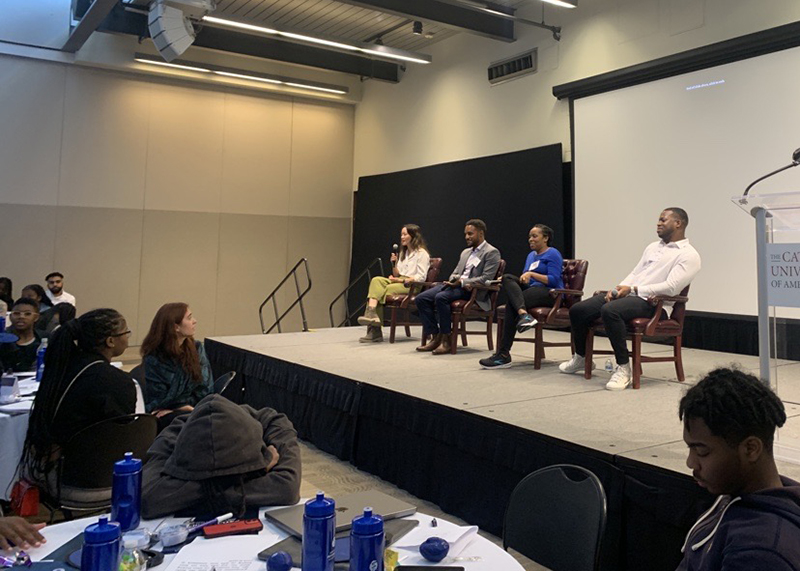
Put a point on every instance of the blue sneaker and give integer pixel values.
(496, 361)
(526, 322)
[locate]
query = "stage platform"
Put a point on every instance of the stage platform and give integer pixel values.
(440, 426)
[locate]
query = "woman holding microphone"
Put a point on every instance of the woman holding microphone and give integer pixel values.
(411, 263)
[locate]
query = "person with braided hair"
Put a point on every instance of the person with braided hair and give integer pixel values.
(79, 387)
(729, 421)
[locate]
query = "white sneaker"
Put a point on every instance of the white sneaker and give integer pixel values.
(574, 365)
(621, 379)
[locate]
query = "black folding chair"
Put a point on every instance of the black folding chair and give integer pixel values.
(85, 466)
(222, 383)
(556, 516)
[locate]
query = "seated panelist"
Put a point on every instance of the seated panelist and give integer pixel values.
(412, 264)
(79, 388)
(176, 368)
(665, 268)
(477, 265)
(540, 274)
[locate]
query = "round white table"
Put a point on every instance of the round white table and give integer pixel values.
(479, 554)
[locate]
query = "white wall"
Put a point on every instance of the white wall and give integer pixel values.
(447, 111)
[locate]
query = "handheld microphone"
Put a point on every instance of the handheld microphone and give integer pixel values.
(794, 163)
(614, 293)
(395, 249)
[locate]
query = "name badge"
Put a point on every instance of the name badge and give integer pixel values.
(534, 265)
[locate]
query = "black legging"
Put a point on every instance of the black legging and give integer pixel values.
(519, 298)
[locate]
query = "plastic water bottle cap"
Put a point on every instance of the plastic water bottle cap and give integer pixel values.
(320, 506)
(102, 532)
(128, 465)
(367, 524)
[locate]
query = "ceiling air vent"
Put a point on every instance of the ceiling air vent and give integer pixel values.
(513, 67)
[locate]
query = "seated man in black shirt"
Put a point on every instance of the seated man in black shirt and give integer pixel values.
(21, 355)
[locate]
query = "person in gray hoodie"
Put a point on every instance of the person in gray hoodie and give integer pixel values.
(221, 458)
(729, 421)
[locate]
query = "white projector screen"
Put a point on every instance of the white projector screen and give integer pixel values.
(692, 141)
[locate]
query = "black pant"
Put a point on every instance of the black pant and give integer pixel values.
(519, 298)
(614, 314)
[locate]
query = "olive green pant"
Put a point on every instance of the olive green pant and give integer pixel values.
(380, 287)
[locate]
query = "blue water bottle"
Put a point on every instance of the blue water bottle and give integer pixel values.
(367, 542)
(319, 534)
(40, 359)
(126, 492)
(101, 546)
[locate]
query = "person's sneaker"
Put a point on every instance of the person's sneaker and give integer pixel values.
(621, 379)
(526, 322)
(496, 361)
(574, 365)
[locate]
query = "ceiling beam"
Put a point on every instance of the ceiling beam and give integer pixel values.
(220, 39)
(92, 18)
(457, 17)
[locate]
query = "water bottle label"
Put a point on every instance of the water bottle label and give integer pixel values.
(373, 565)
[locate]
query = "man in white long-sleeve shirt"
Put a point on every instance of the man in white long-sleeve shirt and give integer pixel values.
(666, 267)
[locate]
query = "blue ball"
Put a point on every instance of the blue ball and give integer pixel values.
(279, 561)
(434, 549)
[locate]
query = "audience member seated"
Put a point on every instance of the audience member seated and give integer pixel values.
(55, 317)
(7, 292)
(221, 458)
(477, 265)
(17, 533)
(79, 388)
(666, 267)
(540, 274)
(729, 421)
(176, 369)
(35, 291)
(20, 356)
(412, 264)
(55, 287)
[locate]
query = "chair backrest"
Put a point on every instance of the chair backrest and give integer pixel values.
(434, 269)
(679, 309)
(87, 459)
(222, 383)
(137, 373)
(556, 516)
(573, 274)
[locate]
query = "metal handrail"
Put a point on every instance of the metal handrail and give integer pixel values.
(300, 296)
(348, 315)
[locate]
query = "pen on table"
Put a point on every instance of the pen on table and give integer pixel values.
(214, 521)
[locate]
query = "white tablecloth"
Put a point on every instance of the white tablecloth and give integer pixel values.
(483, 555)
(12, 438)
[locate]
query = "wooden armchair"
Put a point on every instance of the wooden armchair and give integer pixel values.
(573, 274)
(468, 309)
(404, 303)
(657, 326)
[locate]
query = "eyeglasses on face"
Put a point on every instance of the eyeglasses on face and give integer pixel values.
(128, 332)
(23, 313)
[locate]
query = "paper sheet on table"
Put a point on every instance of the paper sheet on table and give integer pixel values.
(17, 407)
(28, 387)
(235, 553)
(458, 537)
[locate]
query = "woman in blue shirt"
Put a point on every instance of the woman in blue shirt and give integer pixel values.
(540, 274)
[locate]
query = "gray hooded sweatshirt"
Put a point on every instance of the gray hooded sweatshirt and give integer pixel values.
(216, 458)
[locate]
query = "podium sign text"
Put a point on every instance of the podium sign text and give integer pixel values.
(783, 263)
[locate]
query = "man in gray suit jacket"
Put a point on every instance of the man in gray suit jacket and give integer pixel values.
(477, 265)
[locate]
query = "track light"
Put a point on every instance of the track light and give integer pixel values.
(241, 74)
(416, 28)
(384, 52)
(563, 3)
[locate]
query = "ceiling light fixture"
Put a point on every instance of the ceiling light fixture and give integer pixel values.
(238, 74)
(416, 28)
(563, 3)
(373, 49)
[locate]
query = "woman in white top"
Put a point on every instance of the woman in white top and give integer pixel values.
(412, 264)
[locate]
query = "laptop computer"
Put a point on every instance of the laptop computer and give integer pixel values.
(290, 519)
